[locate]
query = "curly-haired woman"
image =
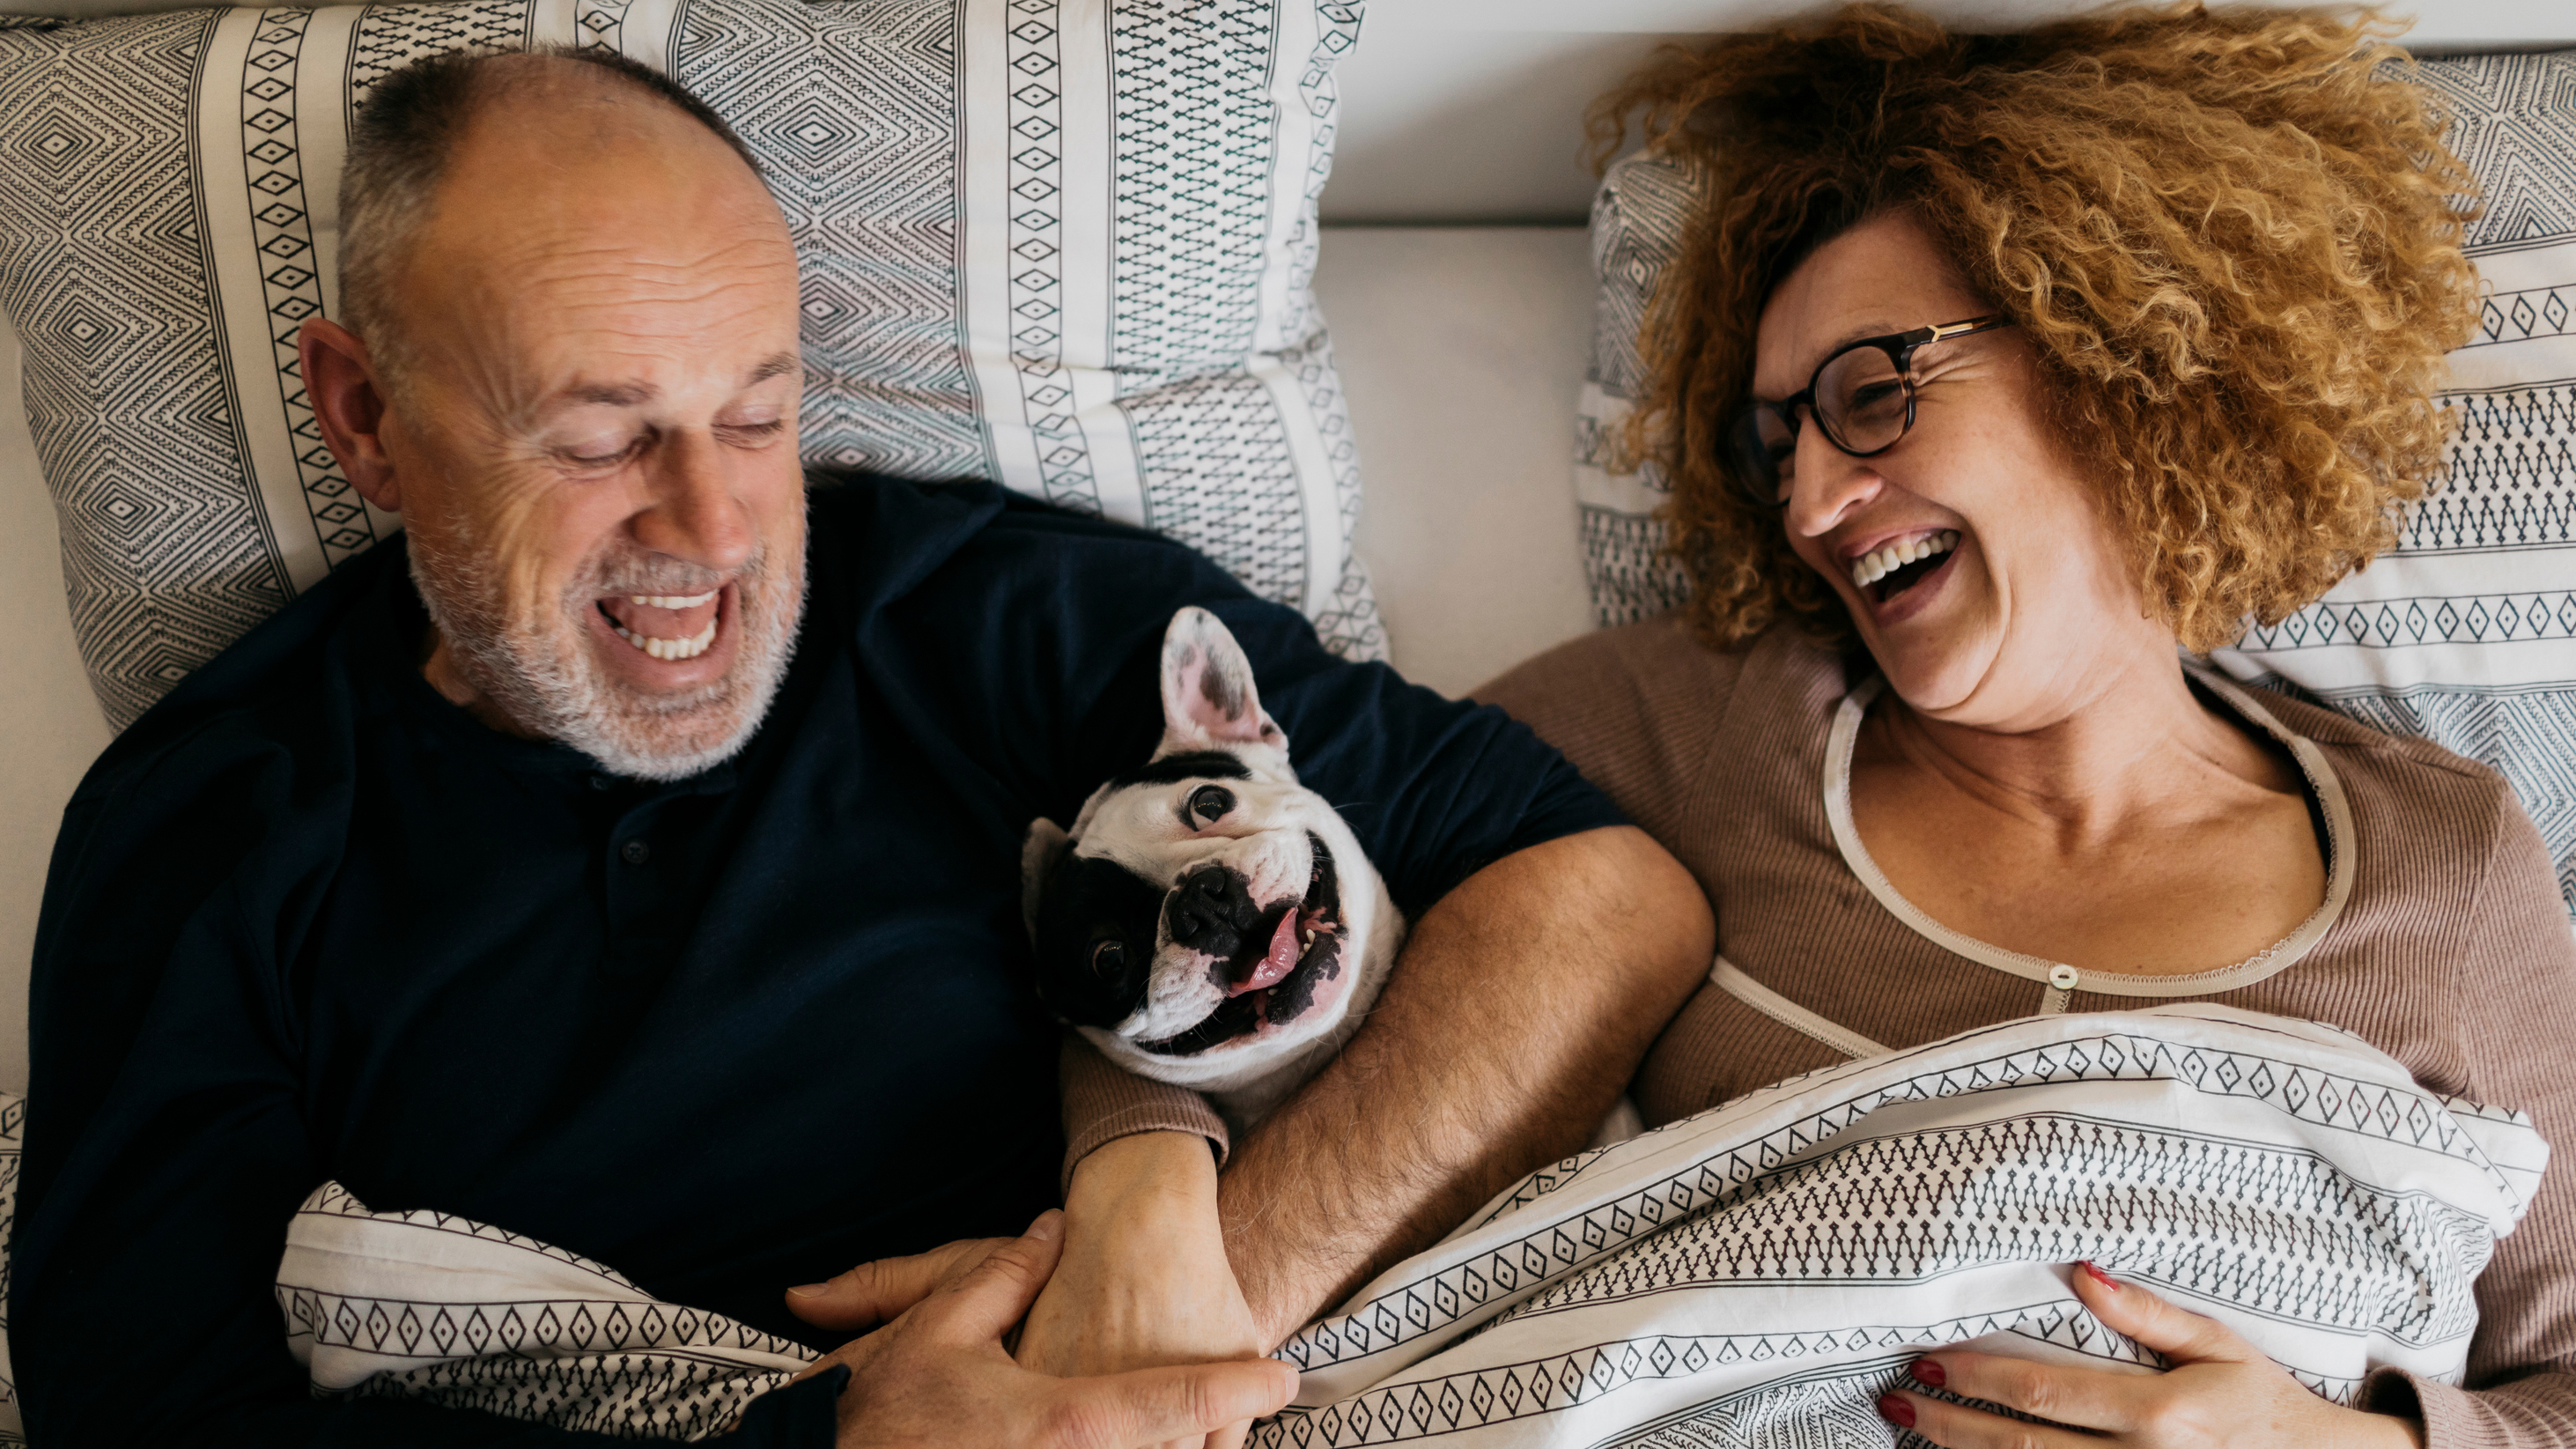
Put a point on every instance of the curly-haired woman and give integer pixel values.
(1994, 370)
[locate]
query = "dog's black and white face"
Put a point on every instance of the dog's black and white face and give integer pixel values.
(1206, 915)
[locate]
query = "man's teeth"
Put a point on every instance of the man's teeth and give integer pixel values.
(1869, 568)
(672, 601)
(689, 648)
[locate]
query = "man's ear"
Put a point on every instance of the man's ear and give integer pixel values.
(340, 382)
(1040, 851)
(1208, 698)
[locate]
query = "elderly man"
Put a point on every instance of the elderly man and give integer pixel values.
(629, 859)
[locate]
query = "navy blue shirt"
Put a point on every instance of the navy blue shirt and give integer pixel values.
(308, 921)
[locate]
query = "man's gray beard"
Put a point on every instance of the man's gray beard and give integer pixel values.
(539, 669)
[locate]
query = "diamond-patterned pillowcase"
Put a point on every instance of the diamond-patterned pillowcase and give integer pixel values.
(1059, 244)
(2465, 634)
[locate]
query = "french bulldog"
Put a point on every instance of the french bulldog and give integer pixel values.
(1208, 921)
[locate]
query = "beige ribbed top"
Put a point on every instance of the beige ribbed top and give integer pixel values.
(2442, 939)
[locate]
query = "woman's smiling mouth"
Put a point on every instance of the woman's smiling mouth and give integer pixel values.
(1900, 565)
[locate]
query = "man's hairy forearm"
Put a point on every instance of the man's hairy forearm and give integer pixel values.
(1516, 1015)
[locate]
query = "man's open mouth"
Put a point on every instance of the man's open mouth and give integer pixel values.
(669, 627)
(1275, 978)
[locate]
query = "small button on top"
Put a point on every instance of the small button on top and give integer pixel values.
(602, 782)
(2061, 977)
(635, 852)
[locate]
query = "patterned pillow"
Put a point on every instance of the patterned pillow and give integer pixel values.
(2465, 634)
(13, 1123)
(1059, 244)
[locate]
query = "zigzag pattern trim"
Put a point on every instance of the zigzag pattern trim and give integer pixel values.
(13, 1131)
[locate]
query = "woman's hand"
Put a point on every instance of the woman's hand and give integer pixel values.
(2220, 1391)
(1144, 1282)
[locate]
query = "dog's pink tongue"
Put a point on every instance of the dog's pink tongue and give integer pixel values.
(1281, 960)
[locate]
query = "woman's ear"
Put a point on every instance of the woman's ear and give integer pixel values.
(340, 381)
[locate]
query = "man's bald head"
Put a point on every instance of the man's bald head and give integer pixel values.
(406, 140)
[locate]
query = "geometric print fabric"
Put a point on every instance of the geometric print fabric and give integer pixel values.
(1066, 246)
(2463, 634)
(13, 1125)
(1755, 1274)
(1758, 1274)
(431, 1306)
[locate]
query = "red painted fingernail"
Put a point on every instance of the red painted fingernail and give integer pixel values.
(1896, 1411)
(1926, 1371)
(2105, 1279)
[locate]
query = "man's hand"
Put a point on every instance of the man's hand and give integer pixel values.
(1144, 1279)
(1515, 1017)
(881, 1291)
(937, 1374)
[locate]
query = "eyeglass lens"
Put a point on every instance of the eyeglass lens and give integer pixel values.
(1860, 399)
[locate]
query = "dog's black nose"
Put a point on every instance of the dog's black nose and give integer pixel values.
(1207, 912)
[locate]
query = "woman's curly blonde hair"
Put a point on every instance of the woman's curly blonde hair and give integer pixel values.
(2233, 240)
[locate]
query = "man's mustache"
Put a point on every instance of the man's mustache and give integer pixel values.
(642, 571)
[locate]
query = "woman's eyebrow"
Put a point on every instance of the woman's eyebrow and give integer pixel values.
(1873, 328)
(1807, 368)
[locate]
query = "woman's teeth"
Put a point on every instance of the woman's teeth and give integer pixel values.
(1869, 568)
(689, 648)
(672, 601)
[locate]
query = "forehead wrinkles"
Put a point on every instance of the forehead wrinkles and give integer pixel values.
(610, 285)
(602, 315)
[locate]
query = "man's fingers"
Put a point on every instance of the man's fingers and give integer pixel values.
(1149, 1406)
(996, 1293)
(2181, 1335)
(878, 1292)
(2085, 1398)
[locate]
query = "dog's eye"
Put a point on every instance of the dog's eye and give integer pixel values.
(1208, 804)
(1109, 960)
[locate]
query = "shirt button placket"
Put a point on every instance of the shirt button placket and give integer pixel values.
(632, 878)
(2062, 981)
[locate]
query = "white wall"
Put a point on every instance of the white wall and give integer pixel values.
(1461, 352)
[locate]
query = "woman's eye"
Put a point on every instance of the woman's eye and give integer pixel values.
(1109, 960)
(1208, 804)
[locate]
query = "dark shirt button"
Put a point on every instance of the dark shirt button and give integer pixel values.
(635, 852)
(602, 782)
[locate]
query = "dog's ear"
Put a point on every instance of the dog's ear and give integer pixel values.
(1208, 698)
(1040, 851)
